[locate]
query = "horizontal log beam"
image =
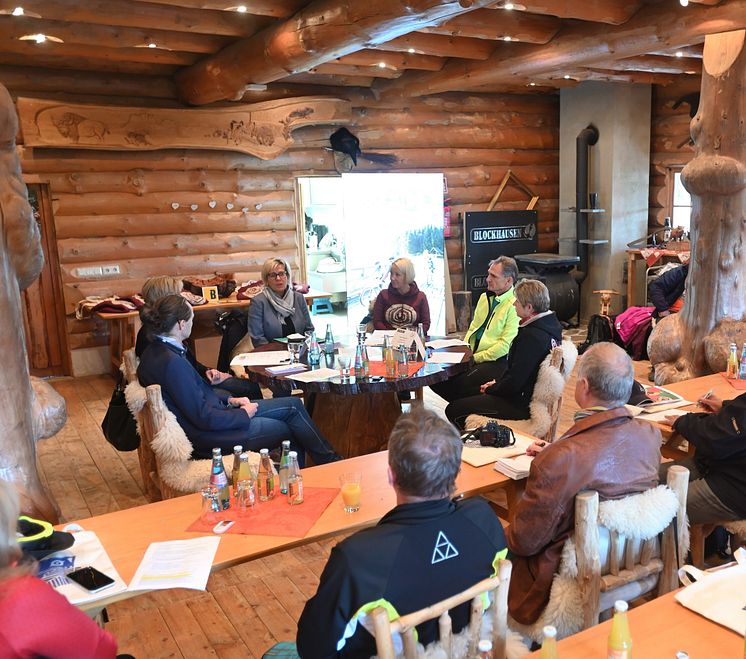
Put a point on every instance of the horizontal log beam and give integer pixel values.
(329, 81)
(439, 46)
(150, 15)
(323, 30)
(392, 60)
(22, 53)
(655, 27)
(653, 64)
(335, 68)
(418, 116)
(154, 224)
(597, 11)
(84, 250)
(495, 25)
(275, 8)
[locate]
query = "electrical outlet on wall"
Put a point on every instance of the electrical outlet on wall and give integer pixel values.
(110, 269)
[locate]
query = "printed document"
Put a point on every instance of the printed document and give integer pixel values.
(176, 564)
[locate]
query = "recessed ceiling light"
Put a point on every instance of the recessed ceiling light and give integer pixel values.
(508, 6)
(532, 84)
(40, 38)
(566, 77)
(18, 11)
(411, 50)
(152, 45)
(679, 53)
(242, 9)
(507, 38)
(381, 65)
(684, 3)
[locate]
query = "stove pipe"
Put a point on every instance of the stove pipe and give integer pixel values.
(586, 138)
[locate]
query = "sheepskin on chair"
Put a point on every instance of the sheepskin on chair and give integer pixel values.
(638, 516)
(550, 384)
(173, 449)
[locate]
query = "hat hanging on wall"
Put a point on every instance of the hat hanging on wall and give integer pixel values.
(346, 148)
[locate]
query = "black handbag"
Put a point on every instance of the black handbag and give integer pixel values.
(119, 426)
(491, 434)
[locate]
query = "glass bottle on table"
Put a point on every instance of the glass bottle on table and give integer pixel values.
(314, 351)
(266, 476)
(359, 365)
(389, 358)
(402, 362)
(549, 643)
(484, 649)
(421, 334)
(620, 640)
(284, 465)
(295, 481)
(237, 450)
(733, 364)
(329, 340)
(219, 479)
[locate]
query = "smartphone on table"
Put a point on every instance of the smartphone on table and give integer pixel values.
(90, 578)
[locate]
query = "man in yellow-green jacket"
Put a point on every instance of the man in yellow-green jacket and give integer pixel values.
(492, 330)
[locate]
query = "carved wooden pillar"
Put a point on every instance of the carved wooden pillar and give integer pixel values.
(21, 261)
(695, 341)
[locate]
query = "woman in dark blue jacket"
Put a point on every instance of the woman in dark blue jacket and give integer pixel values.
(538, 332)
(212, 419)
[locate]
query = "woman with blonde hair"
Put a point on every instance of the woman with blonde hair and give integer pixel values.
(278, 310)
(538, 332)
(159, 287)
(35, 620)
(402, 304)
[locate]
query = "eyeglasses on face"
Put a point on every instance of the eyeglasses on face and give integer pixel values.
(277, 275)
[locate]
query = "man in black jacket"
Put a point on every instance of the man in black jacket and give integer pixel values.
(426, 549)
(717, 472)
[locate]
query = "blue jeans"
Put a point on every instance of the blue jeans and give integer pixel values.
(286, 418)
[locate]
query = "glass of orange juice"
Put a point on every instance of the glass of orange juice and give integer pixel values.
(351, 488)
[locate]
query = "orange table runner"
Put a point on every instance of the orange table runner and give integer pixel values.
(736, 384)
(275, 517)
(378, 369)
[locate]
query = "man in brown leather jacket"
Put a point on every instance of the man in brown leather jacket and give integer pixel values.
(607, 450)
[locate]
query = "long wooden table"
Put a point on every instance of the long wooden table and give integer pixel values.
(126, 534)
(659, 630)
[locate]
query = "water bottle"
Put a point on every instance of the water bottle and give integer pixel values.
(295, 481)
(219, 479)
(359, 365)
(314, 351)
(742, 369)
(266, 477)
(329, 340)
(421, 334)
(402, 362)
(284, 465)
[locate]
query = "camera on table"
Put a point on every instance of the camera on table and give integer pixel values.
(491, 434)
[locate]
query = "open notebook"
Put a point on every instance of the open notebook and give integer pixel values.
(483, 455)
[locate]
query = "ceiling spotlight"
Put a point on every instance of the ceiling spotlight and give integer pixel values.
(40, 38)
(411, 50)
(18, 11)
(566, 77)
(508, 6)
(242, 9)
(381, 65)
(507, 38)
(532, 84)
(684, 3)
(679, 53)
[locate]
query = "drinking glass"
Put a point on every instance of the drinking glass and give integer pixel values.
(245, 496)
(350, 484)
(210, 504)
(344, 361)
(362, 331)
(294, 348)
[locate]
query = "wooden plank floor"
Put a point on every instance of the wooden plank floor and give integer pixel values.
(246, 608)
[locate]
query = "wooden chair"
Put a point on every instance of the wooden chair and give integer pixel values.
(547, 398)
(615, 553)
(148, 465)
(405, 625)
(699, 533)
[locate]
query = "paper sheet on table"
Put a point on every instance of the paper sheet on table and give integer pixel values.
(660, 417)
(376, 337)
(176, 564)
(261, 358)
(647, 412)
(482, 455)
(314, 376)
(446, 358)
(515, 468)
(436, 344)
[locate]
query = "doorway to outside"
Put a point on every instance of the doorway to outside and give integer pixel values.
(355, 225)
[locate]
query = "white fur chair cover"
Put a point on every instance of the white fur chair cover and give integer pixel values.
(173, 449)
(550, 384)
(639, 516)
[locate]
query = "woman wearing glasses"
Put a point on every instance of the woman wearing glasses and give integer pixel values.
(278, 310)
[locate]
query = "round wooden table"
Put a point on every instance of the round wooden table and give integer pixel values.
(357, 415)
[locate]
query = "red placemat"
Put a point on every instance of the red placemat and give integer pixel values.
(378, 369)
(275, 517)
(736, 384)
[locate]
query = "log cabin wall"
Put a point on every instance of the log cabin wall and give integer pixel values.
(117, 208)
(669, 142)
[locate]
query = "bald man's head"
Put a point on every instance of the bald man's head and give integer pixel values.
(609, 373)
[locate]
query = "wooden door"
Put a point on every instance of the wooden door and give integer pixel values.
(43, 310)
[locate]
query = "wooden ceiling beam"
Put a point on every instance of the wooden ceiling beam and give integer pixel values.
(396, 61)
(274, 8)
(323, 30)
(692, 51)
(495, 25)
(613, 12)
(146, 15)
(329, 80)
(52, 60)
(440, 46)
(12, 27)
(656, 27)
(653, 64)
(372, 70)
